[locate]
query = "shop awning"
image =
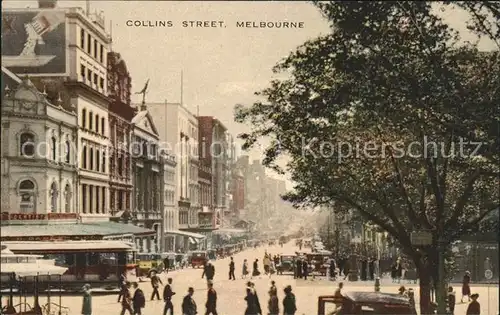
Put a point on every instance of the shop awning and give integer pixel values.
(32, 269)
(102, 229)
(229, 231)
(67, 246)
(185, 233)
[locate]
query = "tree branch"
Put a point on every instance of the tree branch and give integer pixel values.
(464, 197)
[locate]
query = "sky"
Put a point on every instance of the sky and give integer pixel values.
(221, 66)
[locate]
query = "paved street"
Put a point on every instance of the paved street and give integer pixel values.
(231, 293)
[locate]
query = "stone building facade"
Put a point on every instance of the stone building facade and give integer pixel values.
(120, 126)
(147, 172)
(39, 151)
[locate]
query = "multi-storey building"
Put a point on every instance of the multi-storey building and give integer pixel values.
(120, 127)
(39, 152)
(178, 130)
(170, 200)
(147, 172)
(73, 71)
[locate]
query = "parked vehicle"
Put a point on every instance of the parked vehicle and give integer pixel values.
(148, 263)
(366, 303)
(198, 258)
(286, 264)
(318, 263)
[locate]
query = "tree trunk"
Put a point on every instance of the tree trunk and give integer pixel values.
(424, 278)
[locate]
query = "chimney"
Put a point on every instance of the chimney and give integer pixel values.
(47, 4)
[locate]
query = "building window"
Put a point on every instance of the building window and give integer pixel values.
(103, 126)
(120, 166)
(101, 54)
(101, 84)
(95, 49)
(53, 197)
(27, 196)
(97, 159)
(54, 148)
(82, 72)
(96, 82)
(84, 118)
(82, 38)
(89, 76)
(68, 152)
(89, 44)
(91, 197)
(97, 200)
(67, 199)
(97, 123)
(84, 198)
(103, 199)
(84, 157)
(91, 120)
(91, 155)
(120, 199)
(27, 144)
(103, 167)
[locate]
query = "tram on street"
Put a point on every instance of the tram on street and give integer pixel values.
(99, 263)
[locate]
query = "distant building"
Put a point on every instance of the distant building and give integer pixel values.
(170, 222)
(147, 172)
(178, 131)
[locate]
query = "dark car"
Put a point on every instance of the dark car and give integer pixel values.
(286, 263)
(367, 303)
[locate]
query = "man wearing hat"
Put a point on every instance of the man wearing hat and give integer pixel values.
(474, 306)
(87, 300)
(167, 297)
(188, 303)
(211, 304)
(289, 302)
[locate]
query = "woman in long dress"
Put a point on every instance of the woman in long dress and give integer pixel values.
(245, 269)
(466, 286)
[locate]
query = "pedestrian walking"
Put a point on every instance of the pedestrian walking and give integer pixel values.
(451, 300)
(244, 271)
(474, 307)
(289, 302)
(231, 270)
(122, 283)
(305, 269)
(188, 303)
(255, 271)
(167, 297)
(266, 261)
(211, 304)
(127, 301)
(466, 287)
(210, 272)
(299, 268)
(273, 306)
(166, 264)
(87, 300)
(155, 283)
(253, 305)
(138, 300)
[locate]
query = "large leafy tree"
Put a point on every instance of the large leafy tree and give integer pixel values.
(391, 115)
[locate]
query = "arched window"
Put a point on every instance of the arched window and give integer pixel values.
(68, 152)
(53, 141)
(103, 126)
(97, 123)
(97, 159)
(84, 157)
(53, 197)
(91, 121)
(27, 196)
(67, 199)
(91, 155)
(27, 144)
(84, 118)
